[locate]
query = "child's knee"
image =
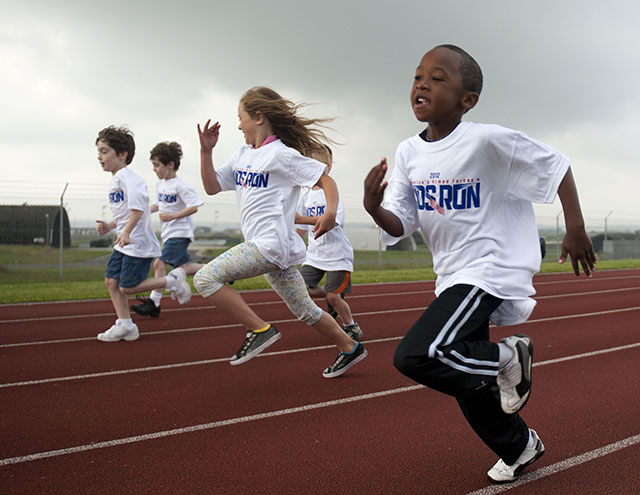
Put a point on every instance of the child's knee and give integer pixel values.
(333, 298)
(205, 283)
(158, 265)
(111, 283)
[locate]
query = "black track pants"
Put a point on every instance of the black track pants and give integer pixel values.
(448, 349)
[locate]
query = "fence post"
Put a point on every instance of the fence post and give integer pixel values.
(605, 224)
(62, 229)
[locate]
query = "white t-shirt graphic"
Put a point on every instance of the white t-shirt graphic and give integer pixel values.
(332, 251)
(172, 196)
(471, 194)
(128, 191)
(267, 181)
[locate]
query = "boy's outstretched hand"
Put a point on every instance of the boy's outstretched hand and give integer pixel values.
(578, 246)
(374, 186)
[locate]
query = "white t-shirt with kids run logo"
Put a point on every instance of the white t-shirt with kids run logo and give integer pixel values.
(128, 191)
(471, 194)
(267, 181)
(172, 196)
(332, 251)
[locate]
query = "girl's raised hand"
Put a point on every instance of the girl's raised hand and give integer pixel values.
(209, 135)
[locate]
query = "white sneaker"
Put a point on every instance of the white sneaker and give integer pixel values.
(182, 291)
(118, 332)
(514, 380)
(502, 473)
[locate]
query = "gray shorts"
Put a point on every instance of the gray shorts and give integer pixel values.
(338, 282)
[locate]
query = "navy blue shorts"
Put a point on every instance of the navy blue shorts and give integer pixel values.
(174, 251)
(129, 270)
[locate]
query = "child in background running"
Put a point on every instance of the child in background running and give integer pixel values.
(267, 175)
(177, 202)
(136, 244)
(469, 187)
(330, 255)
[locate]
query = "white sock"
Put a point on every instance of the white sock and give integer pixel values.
(349, 324)
(506, 354)
(171, 282)
(156, 297)
(125, 322)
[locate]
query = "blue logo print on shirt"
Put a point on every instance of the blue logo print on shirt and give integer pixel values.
(315, 211)
(442, 197)
(167, 198)
(116, 197)
(248, 178)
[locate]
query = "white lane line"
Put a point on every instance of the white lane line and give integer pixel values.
(207, 308)
(559, 466)
(205, 426)
(358, 296)
(293, 320)
(255, 417)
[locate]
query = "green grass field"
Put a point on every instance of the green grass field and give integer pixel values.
(32, 273)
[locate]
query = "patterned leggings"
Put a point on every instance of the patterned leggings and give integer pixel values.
(245, 261)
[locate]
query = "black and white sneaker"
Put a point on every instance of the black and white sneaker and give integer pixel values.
(345, 361)
(147, 308)
(503, 473)
(353, 331)
(254, 343)
(514, 379)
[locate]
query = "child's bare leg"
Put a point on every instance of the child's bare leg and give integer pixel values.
(342, 308)
(192, 268)
(118, 299)
(232, 303)
(328, 327)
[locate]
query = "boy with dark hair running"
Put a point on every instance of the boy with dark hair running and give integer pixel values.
(176, 202)
(469, 187)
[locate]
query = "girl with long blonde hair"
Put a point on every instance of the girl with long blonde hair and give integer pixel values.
(267, 174)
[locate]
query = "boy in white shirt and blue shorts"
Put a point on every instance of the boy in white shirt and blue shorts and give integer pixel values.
(136, 244)
(176, 202)
(469, 187)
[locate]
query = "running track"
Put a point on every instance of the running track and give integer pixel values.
(168, 414)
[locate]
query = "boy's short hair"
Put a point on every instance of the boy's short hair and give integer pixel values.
(120, 139)
(469, 69)
(167, 152)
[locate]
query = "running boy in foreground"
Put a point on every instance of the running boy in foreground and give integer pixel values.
(469, 187)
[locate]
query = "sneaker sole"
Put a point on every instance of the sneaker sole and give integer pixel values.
(520, 468)
(257, 351)
(127, 338)
(352, 363)
(143, 313)
(526, 375)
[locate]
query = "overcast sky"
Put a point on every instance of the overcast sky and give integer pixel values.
(564, 72)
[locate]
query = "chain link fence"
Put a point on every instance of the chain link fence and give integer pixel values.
(30, 214)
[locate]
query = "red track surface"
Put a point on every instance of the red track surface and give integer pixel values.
(167, 414)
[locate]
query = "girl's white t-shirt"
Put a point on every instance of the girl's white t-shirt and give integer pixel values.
(471, 194)
(267, 181)
(331, 251)
(172, 196)
(128, 191)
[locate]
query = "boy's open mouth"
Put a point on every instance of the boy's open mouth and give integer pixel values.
(420, 100)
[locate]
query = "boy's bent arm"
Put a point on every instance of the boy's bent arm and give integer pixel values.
(125, 236)
(325, 222)
(189, 210)
(576, 242)
(374, 187)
